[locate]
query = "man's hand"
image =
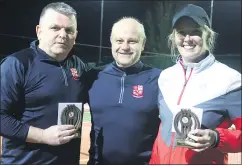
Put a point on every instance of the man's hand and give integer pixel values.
(203, 139)
(54, 135)
(58, 134)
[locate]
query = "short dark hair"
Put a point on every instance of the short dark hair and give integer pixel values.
(59, 7)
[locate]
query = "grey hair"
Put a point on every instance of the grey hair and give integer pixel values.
(141, 28)
(59, 7)
(208, 37)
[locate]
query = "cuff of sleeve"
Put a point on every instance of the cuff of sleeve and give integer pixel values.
(23, 132)
(217, 139)
(221, 138)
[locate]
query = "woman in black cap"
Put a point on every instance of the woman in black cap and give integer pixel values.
(200, 98)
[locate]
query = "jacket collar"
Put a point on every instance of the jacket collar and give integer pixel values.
(200, 66)
(116, 70)
(42, 55)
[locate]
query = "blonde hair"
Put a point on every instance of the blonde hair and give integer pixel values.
(208, 37)
(141, 29)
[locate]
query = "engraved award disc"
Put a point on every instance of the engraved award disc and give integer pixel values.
(70, 114)
(184, 122)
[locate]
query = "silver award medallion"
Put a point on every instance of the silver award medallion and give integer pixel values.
(184, 121)
(70, 114)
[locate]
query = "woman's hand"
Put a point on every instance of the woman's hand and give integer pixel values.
(201, 139)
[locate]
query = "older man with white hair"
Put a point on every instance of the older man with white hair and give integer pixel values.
(123, 101)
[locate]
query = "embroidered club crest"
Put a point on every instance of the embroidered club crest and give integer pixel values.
(138, 91)
(74, 73)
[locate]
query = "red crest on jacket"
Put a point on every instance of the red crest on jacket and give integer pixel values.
(74, 73)
(138, 91)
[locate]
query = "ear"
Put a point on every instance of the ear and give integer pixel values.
(143, 44)
(76, 33)
(38, 31)
(111, 39)
(76, 37)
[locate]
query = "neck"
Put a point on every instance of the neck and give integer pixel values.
(57, 57)
(197, 59)
(122, 66)
(135, 68)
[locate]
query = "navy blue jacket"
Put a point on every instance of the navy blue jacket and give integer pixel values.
(32, 85)
(124, 110)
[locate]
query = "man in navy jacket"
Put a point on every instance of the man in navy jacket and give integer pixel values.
(33, 82)
(123, 101)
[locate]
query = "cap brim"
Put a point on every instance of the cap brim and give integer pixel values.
(196, 19)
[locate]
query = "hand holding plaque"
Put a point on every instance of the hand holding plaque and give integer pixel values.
(70, 114)
(185, 121)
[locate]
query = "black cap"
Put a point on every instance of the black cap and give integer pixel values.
(194, 12)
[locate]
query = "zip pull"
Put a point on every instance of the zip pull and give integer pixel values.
(185, 83)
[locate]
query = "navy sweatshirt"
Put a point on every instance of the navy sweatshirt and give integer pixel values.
(124, 110)
(32, 85)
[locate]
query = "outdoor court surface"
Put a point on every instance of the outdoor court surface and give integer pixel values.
(85, 139)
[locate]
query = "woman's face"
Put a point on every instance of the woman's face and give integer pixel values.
(188, 39)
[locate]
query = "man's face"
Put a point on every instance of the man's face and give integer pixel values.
(57, 34)
(127, 44)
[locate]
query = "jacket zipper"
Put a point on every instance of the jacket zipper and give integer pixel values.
(64, 75)
(184, 85)
(122, 90)
(179, 101)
